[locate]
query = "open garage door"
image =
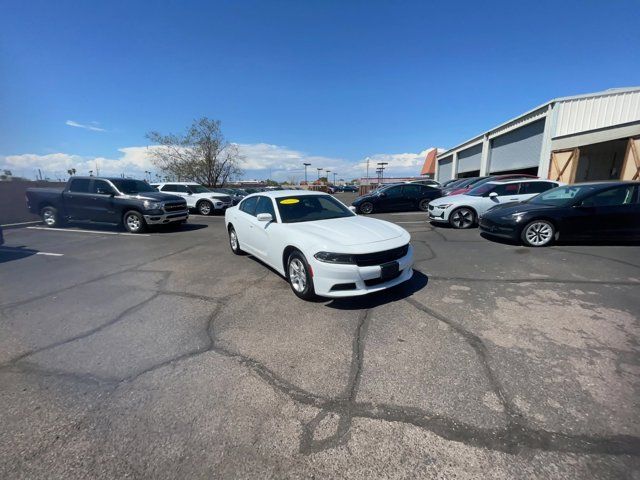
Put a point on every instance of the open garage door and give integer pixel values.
(564, 165)
(631, 166)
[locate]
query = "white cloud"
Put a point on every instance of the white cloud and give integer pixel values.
(93, 126)
(260, 160)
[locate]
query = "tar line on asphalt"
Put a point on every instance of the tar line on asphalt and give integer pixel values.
(98, 232)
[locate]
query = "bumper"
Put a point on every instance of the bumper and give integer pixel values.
(497, 229)
(438, 214)
(365, 279)
(165, 218)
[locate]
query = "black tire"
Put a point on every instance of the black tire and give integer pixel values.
(538, 233)
(365, 208)
(51, 218)
(463, 217)
(235, 245)
(424, 204)
(205, 207)
(134, 222)
(301, 283)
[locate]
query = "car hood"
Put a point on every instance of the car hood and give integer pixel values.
(157, 196)
(518, 207)
(362, 198)
(453, 199)
(349, 231)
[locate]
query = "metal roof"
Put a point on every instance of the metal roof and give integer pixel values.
(534, 114)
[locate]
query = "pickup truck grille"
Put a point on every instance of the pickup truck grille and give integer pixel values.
(175, 206)
(378, 258)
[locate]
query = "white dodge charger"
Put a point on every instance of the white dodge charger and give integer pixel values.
(319, 245)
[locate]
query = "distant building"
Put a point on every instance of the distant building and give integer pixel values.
(429, 167)
(572, 139)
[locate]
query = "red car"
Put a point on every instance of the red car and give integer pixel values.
(482, 180)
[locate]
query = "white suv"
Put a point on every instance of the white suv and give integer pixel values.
(201, 198)
(464, 210)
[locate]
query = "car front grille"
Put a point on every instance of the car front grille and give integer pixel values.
(175, 206)
(377, 281)
(378, 258)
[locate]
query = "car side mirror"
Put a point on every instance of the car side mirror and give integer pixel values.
(493, 195)
(265, 217)
(353, 209)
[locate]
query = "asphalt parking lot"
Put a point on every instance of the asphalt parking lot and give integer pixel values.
(166, 356)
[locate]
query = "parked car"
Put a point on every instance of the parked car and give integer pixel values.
(200, 198)
(319, 245)
(133, 203)
(1, 236)
(402, 197)
(598, 211)
(235, 194)
(482, 180)
(462, 211)
(349, 188)
(426, 181)
(449, 182)
(461, 182)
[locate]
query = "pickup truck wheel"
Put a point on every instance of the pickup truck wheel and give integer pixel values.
(204, 207)
(134, 222)
(50, 217)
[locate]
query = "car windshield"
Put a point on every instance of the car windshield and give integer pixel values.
(309, 208)
(195, 188)
(131, 187)
(561, 196)
(462, 183)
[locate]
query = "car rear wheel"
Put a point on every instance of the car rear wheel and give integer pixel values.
(366, 208)
(51, 217)
(538, 233)
(204, 207)
(134, 222)
(462, 218)
(299, 276)
(234, 243)
(424, 204)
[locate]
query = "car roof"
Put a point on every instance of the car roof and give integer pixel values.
(519, 180)
(283, 193)
(178, 183)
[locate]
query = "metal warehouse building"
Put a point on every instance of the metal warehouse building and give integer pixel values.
(571, 139)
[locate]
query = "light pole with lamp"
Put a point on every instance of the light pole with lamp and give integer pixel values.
(305, 173)
(319, 170)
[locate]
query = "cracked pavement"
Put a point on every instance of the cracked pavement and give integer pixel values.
(167, 356)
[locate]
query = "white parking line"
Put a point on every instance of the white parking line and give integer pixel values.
(409, 213)
(419, 221)
(98, 232)
(18, 250)
(21, 223)
(49, 254)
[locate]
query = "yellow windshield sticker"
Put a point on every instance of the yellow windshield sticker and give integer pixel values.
(289, 201)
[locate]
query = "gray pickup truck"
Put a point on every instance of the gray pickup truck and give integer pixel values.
(132, 203)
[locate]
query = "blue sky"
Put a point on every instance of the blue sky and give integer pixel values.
(330, 82)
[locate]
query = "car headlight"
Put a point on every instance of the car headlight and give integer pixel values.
(515, 216)
(149, 205)
(330, 257)
(443, 205)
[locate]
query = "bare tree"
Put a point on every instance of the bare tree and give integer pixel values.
(202, 154)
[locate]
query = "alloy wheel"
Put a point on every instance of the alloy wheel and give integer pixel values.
(233, 239)
(49, 217)
(366, 208)
(462, 218)
(204, 208)
(424, 205)
(539, 233)
(133, 223)
(297, 275)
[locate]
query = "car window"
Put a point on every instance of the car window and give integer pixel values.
(249, 205)
(79, 185)
(528, 188)
(101, 187)
(506, 189)
(265, 205)
(393, 192)
(175, 188)
(612, 197)
(411, 190)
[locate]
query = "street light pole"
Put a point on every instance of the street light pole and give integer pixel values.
(334, 178)
(382, 164)
(305, 173)
(319, 170)
(328, 172)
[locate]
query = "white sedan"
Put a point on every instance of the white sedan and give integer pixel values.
(463, 211)
(319, 245)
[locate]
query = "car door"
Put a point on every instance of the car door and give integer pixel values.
(392, 200)
(411, 194)
(259, 231)
(614, 212)
(100, 206)
(77, 198)
(244, 223)
(504, 193)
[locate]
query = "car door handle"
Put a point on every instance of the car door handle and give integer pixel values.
(514, 198)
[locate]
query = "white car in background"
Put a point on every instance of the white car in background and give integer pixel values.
(319, 245)
(463, 211)
(198, 197)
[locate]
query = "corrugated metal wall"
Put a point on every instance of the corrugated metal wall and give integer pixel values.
(517, 149)
(469, 159)
(444, 169)
(584, 114)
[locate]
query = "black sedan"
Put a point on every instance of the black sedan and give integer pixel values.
(403, 197)
(595, 211)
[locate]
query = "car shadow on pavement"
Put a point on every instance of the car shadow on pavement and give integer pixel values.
(416, 283)
(9, 254)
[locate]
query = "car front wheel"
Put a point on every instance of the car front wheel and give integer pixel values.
(204, 207)
(538, 233)
(366, 208)
(462, 218)
(299, 276)
(134, 222)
